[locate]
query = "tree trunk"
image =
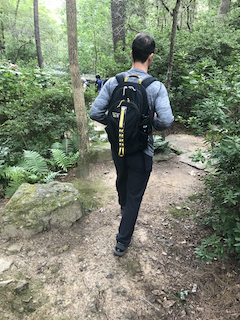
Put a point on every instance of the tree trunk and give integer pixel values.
(78, 95)
(171, 55)
(118, 23)
(2, 39)
(16, 11)
(37, 34)
(224, 6)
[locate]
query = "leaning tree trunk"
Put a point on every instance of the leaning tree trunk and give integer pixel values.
(78, 95)
(118, 24)
(224, 6)
(171, 55)
(37, 34)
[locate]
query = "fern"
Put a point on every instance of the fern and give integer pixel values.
(51, 176)
(75, 141)
(74, 158)
(34, 162)
(67, 146)
(15, 173)
(12, 188)
(62, 160)
(16, 176)
(34, 168)
(57, 145)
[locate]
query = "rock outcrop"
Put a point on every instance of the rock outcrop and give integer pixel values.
(36, 208)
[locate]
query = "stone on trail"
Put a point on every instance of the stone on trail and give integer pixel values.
(5, 283)
(35, 208)
(5, 265)
(186, 158)
(14, 248)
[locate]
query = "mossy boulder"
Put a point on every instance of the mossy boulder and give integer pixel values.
(100, 151)
(36, 208)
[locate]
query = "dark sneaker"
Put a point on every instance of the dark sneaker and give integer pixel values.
(120, 249)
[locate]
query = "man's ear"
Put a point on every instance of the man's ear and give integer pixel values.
(131, 54)
(150, 59)
(150, 56)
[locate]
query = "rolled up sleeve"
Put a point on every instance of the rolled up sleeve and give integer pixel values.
(100, 105)
(162, 108)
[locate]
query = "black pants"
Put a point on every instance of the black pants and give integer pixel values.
(133, 172)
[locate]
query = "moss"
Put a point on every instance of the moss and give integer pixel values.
(92, 193)
(20, 304)
(100, 151)
(132, 266)
(181, 211)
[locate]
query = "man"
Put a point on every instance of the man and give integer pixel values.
(133, 170)
(106, 79)
(98, 83)
(85, 83)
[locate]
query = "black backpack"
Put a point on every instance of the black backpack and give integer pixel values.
(129, 119)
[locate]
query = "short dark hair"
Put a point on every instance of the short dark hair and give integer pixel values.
(143, 45)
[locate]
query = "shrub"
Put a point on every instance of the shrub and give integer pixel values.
(34, 112)
(223, 188)
(220, 106)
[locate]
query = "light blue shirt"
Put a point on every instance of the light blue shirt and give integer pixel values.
(157, 98)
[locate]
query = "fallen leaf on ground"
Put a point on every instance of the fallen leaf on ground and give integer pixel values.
(168, 303)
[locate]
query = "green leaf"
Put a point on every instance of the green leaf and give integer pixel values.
(34, 162)
(61, 159)
(193, 81)
(223, 217)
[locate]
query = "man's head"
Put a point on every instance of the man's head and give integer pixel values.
(143, 45)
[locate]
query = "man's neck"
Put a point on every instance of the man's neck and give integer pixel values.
(141, 66)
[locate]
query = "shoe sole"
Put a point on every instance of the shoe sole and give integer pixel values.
(118, 253)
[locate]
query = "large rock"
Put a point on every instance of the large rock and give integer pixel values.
(38, 207)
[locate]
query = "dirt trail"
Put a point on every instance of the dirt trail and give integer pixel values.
(75, 276)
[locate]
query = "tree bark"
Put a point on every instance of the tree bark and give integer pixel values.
(37, 34)
(171, 55)
(224, 6)
(78, 95)
(2, 38)
(118, 23)
(16, 11)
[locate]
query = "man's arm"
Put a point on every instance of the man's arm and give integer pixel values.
(163, 113)
(99, 107)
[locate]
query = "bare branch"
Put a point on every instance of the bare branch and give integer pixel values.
(166, 8)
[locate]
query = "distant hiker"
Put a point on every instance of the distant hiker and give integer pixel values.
(106, 79)
(130, 104)
(98, 83)
(85, 83)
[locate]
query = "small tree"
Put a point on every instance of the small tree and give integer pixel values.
(78, 96)
(171, 55)
(37, 34)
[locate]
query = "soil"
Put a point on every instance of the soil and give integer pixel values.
(73, 275)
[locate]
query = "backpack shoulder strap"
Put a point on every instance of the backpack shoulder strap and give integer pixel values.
(146, 82)
(120, 77)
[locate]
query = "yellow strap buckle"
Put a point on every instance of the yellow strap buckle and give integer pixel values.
(133, 75)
